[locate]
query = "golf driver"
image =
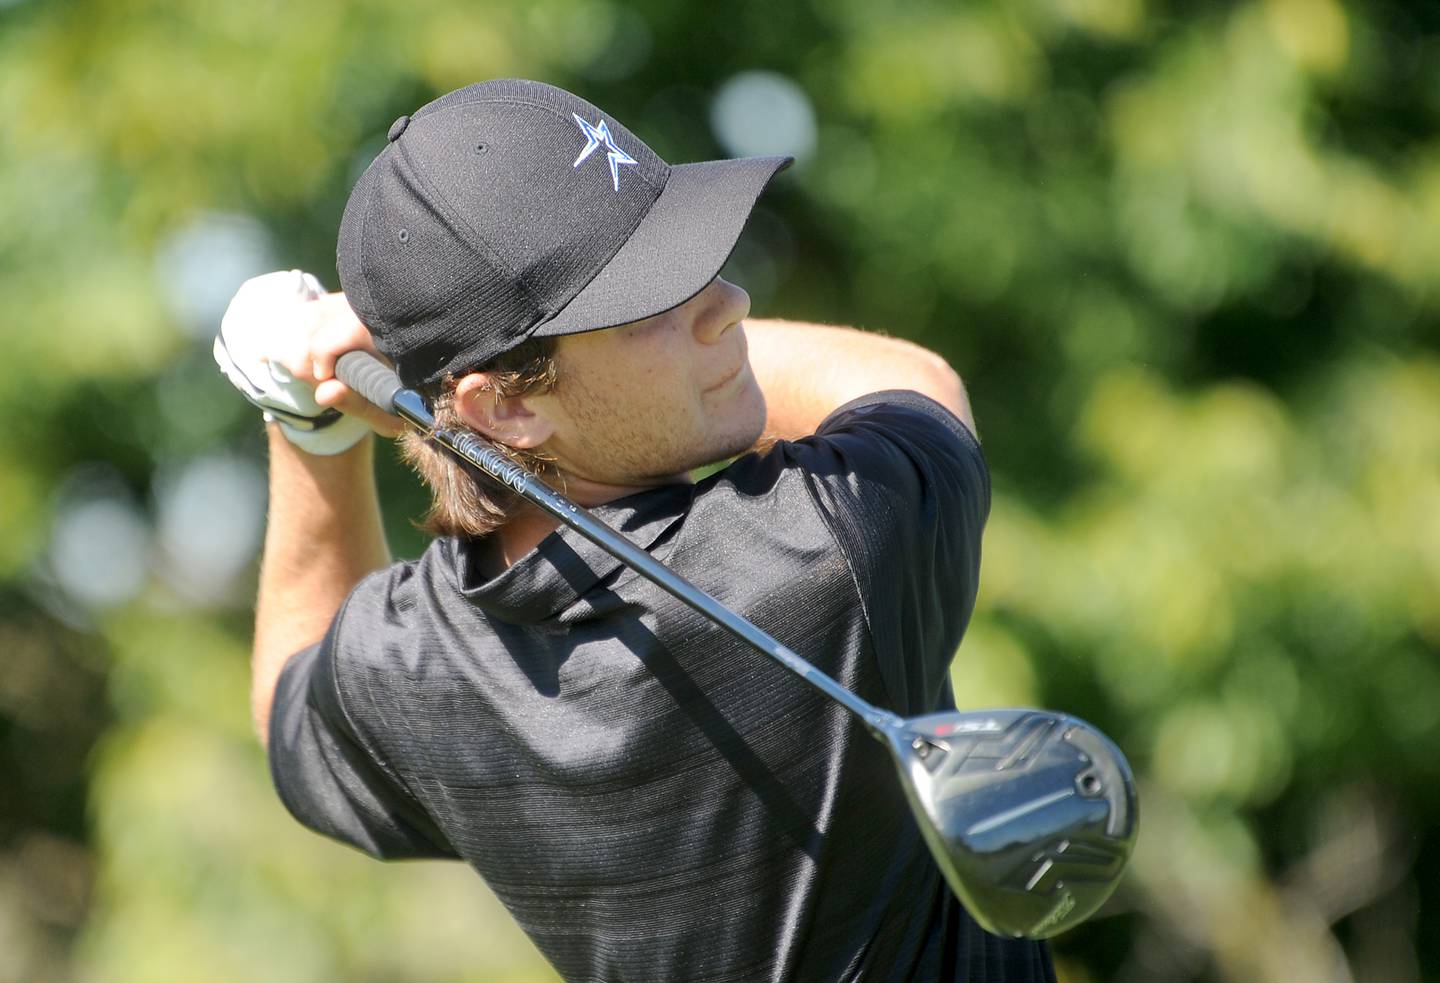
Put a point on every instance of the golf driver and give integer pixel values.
(1031, 815)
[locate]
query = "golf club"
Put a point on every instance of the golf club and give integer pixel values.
(1031, 815)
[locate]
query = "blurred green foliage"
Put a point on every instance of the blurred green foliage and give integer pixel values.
(1185, 255)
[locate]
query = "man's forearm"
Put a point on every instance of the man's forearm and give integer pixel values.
(323, 536)
(808, 370)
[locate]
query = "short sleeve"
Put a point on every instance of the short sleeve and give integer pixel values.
(903, 485)
(326, 775)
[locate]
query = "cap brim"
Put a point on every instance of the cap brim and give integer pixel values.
(676, 250)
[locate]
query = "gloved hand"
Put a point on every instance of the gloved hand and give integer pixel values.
(267, 317)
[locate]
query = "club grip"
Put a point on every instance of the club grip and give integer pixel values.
(369, 377)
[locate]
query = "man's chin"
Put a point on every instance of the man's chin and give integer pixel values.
(726, 451)
(725, 448)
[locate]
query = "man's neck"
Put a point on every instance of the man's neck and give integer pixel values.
(526, 530)
(516, 538)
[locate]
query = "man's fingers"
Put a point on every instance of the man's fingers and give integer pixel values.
(291, 349)
(334, 393)
(338, 332)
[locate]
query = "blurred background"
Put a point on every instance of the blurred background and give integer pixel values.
(1185, 254)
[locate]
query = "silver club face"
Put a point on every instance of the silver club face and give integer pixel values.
(1030, 815)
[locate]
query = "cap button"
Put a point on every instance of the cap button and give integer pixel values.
(397, 128)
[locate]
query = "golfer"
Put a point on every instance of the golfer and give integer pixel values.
(650, 798)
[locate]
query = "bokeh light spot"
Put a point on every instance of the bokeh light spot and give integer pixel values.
(760, 114)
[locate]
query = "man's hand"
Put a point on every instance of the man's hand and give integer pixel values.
(333, 329)
(277, 345)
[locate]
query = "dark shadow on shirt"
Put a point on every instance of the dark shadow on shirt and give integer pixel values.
(591, 578)
(796, 823)
(542, 666)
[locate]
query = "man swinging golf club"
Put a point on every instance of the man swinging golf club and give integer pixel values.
(650, 798)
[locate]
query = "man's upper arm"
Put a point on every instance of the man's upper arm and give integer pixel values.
(323, 768)
(903, 485)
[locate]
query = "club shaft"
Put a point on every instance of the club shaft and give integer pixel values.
(409, 405)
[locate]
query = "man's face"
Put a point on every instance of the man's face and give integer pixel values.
(643, 403)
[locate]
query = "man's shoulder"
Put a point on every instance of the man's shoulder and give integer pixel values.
(389, 604)
(898, 408)
(401, 583)
(882, 449)
(866, 431)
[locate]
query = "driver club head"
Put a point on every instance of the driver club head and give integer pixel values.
(1031, 815)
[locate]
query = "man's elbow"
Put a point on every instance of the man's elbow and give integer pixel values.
(260, 704)
(266, 668)
(945, 386)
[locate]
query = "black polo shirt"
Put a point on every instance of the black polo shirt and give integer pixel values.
(650, 798)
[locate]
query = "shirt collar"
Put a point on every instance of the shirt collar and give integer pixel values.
(565, 565)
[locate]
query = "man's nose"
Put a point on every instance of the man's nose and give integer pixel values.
(722, 304)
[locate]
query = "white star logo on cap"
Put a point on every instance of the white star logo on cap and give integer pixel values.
(595, 136)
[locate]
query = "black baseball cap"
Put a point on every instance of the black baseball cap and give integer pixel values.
(511, 209)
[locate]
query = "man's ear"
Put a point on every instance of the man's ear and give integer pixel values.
(507, 420)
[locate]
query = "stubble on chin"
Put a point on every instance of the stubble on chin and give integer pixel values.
(748, 430)
(615, 444)
(608, 443)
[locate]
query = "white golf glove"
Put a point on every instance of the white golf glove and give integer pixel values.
(261, 321)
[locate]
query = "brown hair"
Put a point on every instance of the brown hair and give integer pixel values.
(464, 500)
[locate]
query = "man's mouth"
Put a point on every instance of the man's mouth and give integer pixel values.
(729, 378)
